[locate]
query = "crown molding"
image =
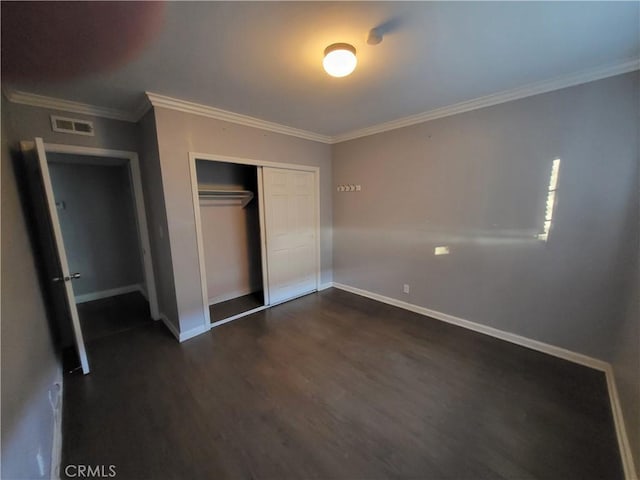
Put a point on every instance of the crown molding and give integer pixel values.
(142, 108)
(219, 114)
(33, 100)
(156, 100)
(494, 99)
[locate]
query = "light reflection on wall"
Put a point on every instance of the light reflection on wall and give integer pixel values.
(551, 200)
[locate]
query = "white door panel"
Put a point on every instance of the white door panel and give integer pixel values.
(290, 218)
(50, 238)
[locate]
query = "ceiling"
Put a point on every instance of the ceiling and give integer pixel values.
(265, 59)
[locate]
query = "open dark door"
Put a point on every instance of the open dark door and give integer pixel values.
(49, 234)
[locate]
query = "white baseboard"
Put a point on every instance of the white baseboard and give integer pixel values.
(597, 364)
(167, 323)
(621, 430)
(480, 328)
(89, 297)
(194, 332)
(183, 336)
(56, 444)
(324, 286)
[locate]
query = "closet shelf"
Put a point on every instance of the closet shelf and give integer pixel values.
(243, 196)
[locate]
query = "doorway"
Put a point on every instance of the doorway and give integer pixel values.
(91, 224)
(231, 232)
(96, 209)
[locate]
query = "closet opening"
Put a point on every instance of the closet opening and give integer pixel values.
(90, 227)
(96, 207)
(257, 233)
(231, 238)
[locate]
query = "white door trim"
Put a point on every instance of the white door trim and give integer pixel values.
(212, 157)
(263, 239)
(199, 241)
(141, 217)
(250, 161)
(318, 230)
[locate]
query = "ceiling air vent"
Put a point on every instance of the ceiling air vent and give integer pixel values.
(71, 125)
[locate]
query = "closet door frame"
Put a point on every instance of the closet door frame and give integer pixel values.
(193, 156)
(133, 166)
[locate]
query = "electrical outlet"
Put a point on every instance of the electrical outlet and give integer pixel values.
(406, 288)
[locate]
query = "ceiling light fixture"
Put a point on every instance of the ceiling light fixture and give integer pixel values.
(339, 59)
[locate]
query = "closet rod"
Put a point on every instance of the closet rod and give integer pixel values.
(244, 196)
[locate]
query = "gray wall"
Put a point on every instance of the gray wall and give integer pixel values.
(29, 364)
(230, 232)
(29, 122)
(626, 360)
(151, 173)
(98, 223)
(178, 134)
(475, 181)
(478, 183)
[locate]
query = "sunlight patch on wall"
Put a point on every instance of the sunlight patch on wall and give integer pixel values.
(551, 200)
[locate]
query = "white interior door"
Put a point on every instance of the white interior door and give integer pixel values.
(290, 220)
(50, 238)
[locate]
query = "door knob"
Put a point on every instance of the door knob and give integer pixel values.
(73, 276)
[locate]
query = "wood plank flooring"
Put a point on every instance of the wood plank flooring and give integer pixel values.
(222, 310)
(106, 316)
(336, 386)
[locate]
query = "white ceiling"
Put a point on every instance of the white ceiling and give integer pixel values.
(265, 59)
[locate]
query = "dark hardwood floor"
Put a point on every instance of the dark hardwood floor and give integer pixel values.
(222, 310)
(336, 386)
(104, 317)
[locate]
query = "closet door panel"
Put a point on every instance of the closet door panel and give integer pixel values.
(290, 231)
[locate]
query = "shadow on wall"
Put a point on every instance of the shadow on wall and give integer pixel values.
(253, 234)
(96, 209)
(482, 212)
(27, 425)
(61, 334)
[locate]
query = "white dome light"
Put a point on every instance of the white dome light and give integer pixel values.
(339, 59)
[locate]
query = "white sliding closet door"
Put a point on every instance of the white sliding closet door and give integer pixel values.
(290, 218)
